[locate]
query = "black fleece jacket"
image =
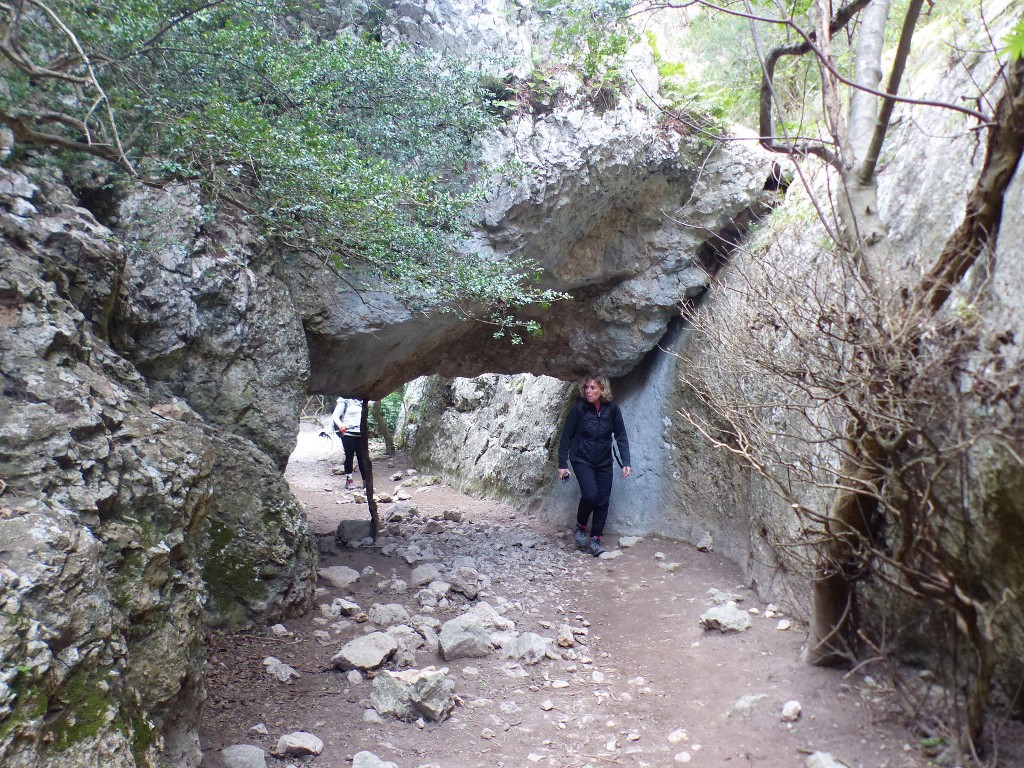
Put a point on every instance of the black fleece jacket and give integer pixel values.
(587, 435)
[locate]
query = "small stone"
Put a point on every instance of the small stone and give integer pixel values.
(280, 670)
(629, 541)
(389, 614)
(243, 756)
(725, 618)
(745, 704)
(559, 684)
(339, 576)
(279, 630)
(424, 574)
(790, 712)
(566, 637)
(367, 759)
(487, 733)
(783, 625)
(354, 676)
(260, 729)
(298, 744)
(683, 757)
(611, 554)
(823, 760)
(547, 705)
(366, 652)
(677, 736)
(372, 716)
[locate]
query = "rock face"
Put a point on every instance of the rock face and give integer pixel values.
(592, 203)
(684, 488)
(206, 319)
(105, 497)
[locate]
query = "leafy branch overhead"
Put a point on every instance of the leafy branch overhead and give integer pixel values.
(338, 146)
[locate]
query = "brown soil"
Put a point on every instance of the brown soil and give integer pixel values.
(653, 673)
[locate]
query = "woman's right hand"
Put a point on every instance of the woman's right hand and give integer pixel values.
(564, 473)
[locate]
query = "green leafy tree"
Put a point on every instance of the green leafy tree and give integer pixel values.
(338, 146)
(593, 36)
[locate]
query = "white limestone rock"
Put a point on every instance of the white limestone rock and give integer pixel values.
(298, 744)
(365, 653)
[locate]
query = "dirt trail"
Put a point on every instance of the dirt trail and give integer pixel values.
(646, 686)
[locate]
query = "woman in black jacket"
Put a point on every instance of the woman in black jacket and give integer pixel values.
(586, 441)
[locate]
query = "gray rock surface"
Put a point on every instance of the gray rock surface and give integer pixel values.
(725, 618)
(339, 577)
(243, 756)
(298, 744)
(414, 693)
(388, 614)
(205, 318)
(463, 638)
(366, 652)
(101, 519)
(367, 759)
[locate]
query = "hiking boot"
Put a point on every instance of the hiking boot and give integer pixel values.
(349, 485)
(581, 537)
(596, 546)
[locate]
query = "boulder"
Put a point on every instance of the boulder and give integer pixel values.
(413, 693)
(424, 574)
(365, 653)
(243, 756)
(531, 648)
(725, 618)
(366, 759)
(463, 638)
(298, 744)
(339, 576)
(388, 614)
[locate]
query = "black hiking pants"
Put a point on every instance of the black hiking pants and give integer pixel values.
(351, 445)
(595, 491)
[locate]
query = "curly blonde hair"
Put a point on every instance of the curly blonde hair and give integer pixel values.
(602, 381)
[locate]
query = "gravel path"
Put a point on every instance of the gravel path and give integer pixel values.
(642, 685)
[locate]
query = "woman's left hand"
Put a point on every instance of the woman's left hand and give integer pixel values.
(627, 471)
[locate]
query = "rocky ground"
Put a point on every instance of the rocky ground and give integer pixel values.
(601, 662)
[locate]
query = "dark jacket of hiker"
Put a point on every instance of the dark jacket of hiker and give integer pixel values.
(588, 432)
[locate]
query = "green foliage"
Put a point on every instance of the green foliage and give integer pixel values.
(593, 36)
(713, 68)
(1015, 42)
(390, 406)
(338, 146)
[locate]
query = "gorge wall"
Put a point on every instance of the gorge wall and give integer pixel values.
(155, 354)
(686, 489)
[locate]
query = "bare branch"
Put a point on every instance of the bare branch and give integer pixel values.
(867, 168)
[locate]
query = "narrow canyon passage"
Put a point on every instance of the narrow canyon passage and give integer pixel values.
(642, 684)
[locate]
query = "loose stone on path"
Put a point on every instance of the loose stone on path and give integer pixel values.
(298, 744)
(243, 756)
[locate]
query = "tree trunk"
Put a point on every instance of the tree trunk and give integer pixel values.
(389, 440)
(833, 631)
(867, 72)
(364, 454)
